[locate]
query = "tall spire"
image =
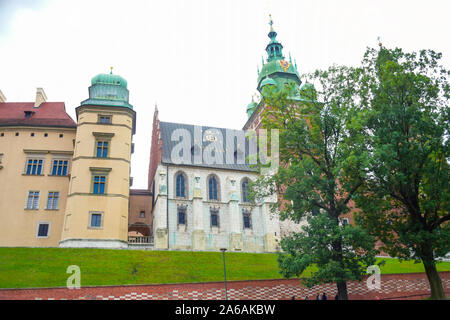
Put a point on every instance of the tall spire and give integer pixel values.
(274, 48)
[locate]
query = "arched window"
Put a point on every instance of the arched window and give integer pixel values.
(180, 184)
(245, 190)
(213, 188)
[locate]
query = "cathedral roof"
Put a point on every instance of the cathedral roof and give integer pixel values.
(167, 129)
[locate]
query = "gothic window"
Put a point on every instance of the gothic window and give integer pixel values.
(213, 188)
(180, 185)
(245, 190)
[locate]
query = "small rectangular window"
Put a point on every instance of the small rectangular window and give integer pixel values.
(33, 200)
(102, 149)
(43, 229)
(99, 184)
(60, 167)
(96, 220)
(34, 166)
(247, 221)
(104, 119)
(53, 200)
(182, 217)
(142, 214)
(214, 219)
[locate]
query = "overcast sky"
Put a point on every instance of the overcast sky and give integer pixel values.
(196, 59)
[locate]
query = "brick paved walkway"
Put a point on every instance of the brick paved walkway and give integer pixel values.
(393, 286)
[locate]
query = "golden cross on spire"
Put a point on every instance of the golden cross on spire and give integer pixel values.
(111, 70)
(270, 22)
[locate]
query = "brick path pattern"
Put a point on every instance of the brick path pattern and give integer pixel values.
(393, 286)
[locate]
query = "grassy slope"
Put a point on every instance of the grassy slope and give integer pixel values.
(46, 267)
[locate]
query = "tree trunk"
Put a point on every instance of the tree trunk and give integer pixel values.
(437, 291)
(342, 290)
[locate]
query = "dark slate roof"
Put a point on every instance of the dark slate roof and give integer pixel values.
(167, 129)
(49, 114)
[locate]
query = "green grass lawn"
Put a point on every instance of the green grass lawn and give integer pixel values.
(46, 267)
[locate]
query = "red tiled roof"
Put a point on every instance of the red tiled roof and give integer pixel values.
(49, 114)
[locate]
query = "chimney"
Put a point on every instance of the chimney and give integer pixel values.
(41, 97)
(2, 97)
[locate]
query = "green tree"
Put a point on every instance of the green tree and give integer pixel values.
(319, 152)
(405, 195)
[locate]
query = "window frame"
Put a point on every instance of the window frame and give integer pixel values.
(53, 200)
(185, 184)
(48, 223)
(101, 172)
(214, 212)
(103, 137)
(249, 215)
(211, 176)
(53, 166)
(245, 200)
(34, 158)
(102, 219)
(182, 209)
(110, 116)
(33, 201)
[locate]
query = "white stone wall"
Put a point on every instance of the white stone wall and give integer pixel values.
(197, 233)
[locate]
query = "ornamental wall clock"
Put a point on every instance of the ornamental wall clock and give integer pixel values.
(284, 64)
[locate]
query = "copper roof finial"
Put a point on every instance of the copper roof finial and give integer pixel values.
(270, 22)
(111, 70)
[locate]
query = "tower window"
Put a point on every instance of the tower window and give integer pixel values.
(99, 184)
(32, 134)
(102, 149)
(95, 220)
(17, 134)
(142, 214)
(104, 119)
(45, 134)
(61, 135)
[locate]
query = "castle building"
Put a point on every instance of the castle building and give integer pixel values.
(66, 183)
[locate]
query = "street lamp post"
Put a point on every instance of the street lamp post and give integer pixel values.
(224, 271)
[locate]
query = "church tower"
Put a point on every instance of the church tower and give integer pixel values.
(97, 206)
(276, 71)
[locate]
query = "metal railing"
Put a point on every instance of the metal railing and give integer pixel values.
(140, 239)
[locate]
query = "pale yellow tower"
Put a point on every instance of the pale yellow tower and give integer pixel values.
(97, 204)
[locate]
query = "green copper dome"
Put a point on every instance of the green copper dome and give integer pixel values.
(267, 81)
(108, 90)
(112, 79)
(251, 107)
(280, 71)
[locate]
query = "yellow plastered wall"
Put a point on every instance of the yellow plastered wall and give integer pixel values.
(113, 205)
(18, 225)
